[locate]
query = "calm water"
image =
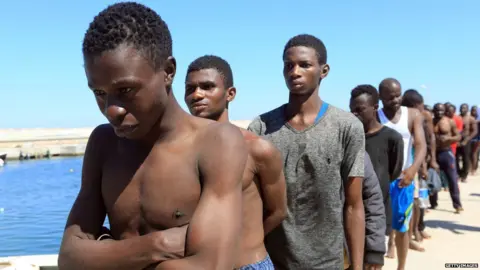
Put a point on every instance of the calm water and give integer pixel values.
(35, 198)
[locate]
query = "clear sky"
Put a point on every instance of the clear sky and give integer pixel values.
(429, 45)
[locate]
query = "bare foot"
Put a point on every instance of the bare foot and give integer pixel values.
(390, 252)
(416, 246)
(418, 236)
(425, 235)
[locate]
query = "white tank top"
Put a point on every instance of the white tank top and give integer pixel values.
(401, 127)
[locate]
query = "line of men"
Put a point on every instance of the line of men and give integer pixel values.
(305, 187)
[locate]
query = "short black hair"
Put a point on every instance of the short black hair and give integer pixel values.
(131, 24)
(365, 89)
(215, 62)
(438, 104)
(309, 41)
(411, 98)
(453, 106)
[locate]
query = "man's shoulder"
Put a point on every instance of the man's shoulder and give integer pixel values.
(260, 124)
(272, 115)
(225, 131)
(344, 119)
(102, 136)
(392, 134)
(260, 149)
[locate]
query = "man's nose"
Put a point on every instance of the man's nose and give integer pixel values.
(198, 93)
(114, 111)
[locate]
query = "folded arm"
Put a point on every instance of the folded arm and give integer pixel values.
(272, 182)
(79, 248)
(214, 232)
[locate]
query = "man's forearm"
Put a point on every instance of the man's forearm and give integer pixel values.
(419, 156)
(272, 221)
(134, 253)
(355, 231)
(469, 138)
(433, 149)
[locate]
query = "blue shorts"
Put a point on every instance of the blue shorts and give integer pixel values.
(402, 200)
(265, 264)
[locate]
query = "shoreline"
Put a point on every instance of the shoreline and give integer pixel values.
(40, 143)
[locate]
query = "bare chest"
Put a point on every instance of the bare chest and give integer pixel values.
(142, 195)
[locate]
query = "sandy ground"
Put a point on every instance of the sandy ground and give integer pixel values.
(455, 238)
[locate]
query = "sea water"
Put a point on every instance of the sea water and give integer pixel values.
(35, 199)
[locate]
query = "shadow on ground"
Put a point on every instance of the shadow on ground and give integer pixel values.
(451, 226)
(475, 194)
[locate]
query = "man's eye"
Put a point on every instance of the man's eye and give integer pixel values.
(125, 90)
(98, 92)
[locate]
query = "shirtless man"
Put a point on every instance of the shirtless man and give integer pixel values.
(409, 123)
(412, 99)
(155, 167)
(209, 89)
(465, 146)
(475, 141)
(451, 112)
(446, 133)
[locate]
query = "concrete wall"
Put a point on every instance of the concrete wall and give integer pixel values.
(58, 141)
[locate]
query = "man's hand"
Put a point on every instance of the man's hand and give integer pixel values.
(408, 176)
(424, 172)
(170, 244)
(373, 267)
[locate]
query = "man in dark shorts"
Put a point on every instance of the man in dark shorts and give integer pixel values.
(143, 170)
(446, 133)
(323, 149)
(409, 123)
(464, 149)
(209, 90)
(384, 146)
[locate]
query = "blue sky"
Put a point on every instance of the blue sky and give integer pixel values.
(421, 43)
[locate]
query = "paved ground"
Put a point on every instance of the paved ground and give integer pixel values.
(455, 238)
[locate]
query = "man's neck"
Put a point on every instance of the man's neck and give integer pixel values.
(390, 113)
(302, 105)
(223, 118)
(372, 126)
(168, 124)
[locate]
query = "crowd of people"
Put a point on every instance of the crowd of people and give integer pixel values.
(307, 186)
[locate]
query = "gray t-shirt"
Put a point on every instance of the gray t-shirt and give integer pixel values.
(317, 163)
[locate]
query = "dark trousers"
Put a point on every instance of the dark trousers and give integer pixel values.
(446, 162)
(464, 153)
(421, 224)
